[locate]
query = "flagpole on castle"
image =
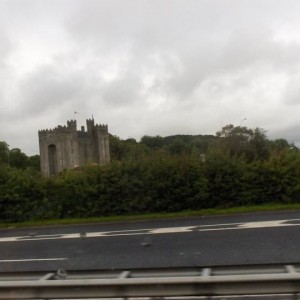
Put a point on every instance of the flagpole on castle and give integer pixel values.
(75, 112)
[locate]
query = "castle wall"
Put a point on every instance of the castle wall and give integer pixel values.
(65, 148)
(66, 152)
(84, 148)
(103, 147)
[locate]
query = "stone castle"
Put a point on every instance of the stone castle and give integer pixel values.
(64, 147)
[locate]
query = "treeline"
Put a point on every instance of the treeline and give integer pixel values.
(17, 159)
(237, 166)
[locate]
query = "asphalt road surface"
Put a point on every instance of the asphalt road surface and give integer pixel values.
(262, 238)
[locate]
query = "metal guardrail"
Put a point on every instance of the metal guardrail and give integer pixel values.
(214, 281)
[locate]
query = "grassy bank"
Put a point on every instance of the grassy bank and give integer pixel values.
(184, 214)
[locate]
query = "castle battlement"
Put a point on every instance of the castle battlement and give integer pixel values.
(72, 128)
(72, 123)
(56, 130)
(101, 127)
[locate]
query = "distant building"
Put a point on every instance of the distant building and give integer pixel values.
(66, 148)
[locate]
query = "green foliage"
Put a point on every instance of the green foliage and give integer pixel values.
(178, 147)
(21, 195)
(4, 153)
(241, 141)
(237, 167)
(153, 143)
(225, 177)
(126, 150)
(18, 159)
(34, 162)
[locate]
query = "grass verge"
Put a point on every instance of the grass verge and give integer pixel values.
(270, 207)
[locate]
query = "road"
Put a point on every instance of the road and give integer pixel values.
(204, 241)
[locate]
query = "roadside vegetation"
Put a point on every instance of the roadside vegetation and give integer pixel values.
(178, 176)
(271, 207)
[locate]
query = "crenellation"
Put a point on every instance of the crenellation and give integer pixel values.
(102, 127)
(90, 125)
(57, 130)
(72, 123)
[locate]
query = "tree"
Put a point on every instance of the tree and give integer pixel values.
(126, 149)
(235, 137)
(259, 145)
(243, 141)
(34, 162)
(18, 159)
(178, 147)
(154, 143)
(4, 152)
(280, 145)
(116, 148)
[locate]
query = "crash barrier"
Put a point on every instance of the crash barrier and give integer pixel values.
(210, 281)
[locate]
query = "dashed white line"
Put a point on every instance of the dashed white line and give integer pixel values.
(167, 230)
(171, 230)
(31, 259)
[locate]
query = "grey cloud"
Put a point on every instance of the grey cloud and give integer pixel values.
(7, 74)
(6, 47)
(168, 66)
(149, 25)
(49, 88)
(121, 92)
(208, 37)
(290, 133)
(291, 95)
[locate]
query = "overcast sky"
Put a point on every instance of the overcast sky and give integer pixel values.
(149, 67)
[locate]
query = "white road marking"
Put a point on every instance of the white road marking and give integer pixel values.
(250, 225)
(277, 223)
(31, 259)
(171, 230)
(133, 232)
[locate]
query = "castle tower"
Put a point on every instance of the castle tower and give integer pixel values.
(103, 144)
(66, 148)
